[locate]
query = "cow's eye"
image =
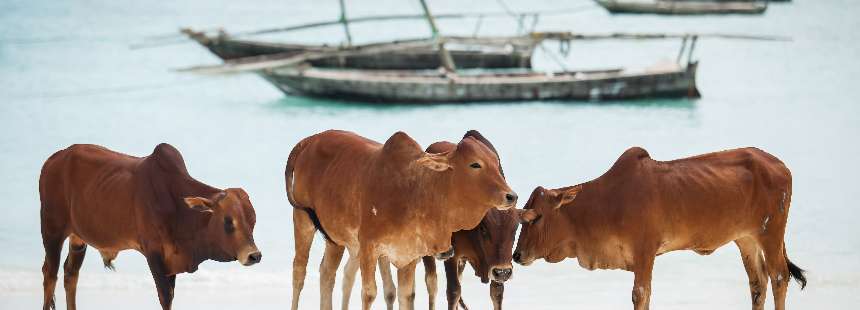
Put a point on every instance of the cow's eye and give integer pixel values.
(537, 218)
(484, 233)
(228, 225)
(475, 165)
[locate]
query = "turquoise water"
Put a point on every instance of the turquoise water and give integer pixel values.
(67, 76)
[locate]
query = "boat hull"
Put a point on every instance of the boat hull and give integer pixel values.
(376, 87)
(684, 7)
(230, 49)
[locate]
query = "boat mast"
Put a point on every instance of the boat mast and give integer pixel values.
(345, 22)
(444, 55)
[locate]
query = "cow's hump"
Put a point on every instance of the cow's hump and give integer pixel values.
(401, 145)
(636, 153)
(168, 159)
(628, 160)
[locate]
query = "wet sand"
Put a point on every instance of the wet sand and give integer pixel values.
(720, 283)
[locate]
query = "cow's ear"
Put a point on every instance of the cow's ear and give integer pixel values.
(218, 197)
(199, 204)
(435, 162)
(526, 216)
(568, 195)
(478, 136)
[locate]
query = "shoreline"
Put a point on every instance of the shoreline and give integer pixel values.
(531, 287)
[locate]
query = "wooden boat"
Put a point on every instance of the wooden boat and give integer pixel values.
(398, 71)
(490, 57)
(677, 7)
(297, 75)
(430, 86)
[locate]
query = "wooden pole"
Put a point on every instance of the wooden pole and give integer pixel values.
(404, 17)
(650, 36)
(345, 22)
(444, 55)
(692, 46)
(681, 52)
(264, 62)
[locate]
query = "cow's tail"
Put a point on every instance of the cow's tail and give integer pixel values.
(794, 271)
(288, 175)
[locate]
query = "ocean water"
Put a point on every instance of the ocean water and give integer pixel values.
(67, 75)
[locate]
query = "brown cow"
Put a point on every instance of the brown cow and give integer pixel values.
(487, 248)
(642, 208)
(115, 202)
(387, 200)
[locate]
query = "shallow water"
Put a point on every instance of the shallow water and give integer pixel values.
(68, 77)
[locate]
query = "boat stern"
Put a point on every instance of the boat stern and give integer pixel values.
(692, 90)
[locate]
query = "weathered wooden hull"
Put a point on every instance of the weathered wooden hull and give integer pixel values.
(683, 7)
(414, 87)
(227, 49)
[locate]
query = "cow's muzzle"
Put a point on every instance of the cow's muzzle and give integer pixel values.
(509, 202)
(445, 255)
(251, 258)
(501, 274)
(518, 258)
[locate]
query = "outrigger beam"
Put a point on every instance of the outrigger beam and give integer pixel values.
(650, 36)
(259, 63)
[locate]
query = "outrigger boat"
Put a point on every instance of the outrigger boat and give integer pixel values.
(673, 80)
(296, 76)
(681, 7)
(300, 72)
(670, 80)
(488, 57)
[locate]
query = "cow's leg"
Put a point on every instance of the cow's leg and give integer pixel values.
(406, 285)
(328, 272)
(303, 232)
(777, 269)
(497, 291)
(754, 265)
(453, 288)
(164, 284)
(430, 280)
(389, 292)
(461, 265)
(77, 250)
(367, 265)
(171, 285)
(53, 244)
(367, 258)
(642, 270)
(348, 279)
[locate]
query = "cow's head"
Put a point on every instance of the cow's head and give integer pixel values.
(229, 226)
(546, 231)
(475, 172)
(488, 246)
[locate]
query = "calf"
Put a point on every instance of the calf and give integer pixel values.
(642, 208)
(487, 248)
